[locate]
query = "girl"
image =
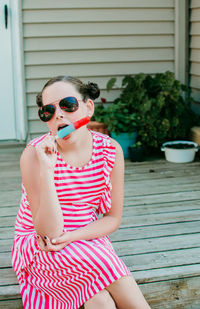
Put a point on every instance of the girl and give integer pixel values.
(61, 254)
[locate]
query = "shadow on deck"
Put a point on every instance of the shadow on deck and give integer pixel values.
(159, 238)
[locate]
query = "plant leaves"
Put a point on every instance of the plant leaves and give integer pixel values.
(111, 83)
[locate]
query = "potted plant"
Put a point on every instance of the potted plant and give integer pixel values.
(180, 151)
(159, 105)
(120, 120)
(136, 152)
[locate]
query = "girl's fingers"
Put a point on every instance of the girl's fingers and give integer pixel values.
(40, 242)
(47, 241)
(61, 239)
(51, 247)
(46, 245)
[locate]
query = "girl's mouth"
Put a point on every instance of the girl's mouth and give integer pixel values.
(62, 126)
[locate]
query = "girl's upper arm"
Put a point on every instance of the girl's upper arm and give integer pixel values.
(30, 171)
(117, 181)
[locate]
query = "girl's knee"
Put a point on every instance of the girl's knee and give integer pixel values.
(102, 299)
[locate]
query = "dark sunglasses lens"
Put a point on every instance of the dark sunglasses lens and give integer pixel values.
(69, 104)
(46, 112)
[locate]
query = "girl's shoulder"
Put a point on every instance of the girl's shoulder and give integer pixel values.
(107, 147)
(36, 141)
(107, 141)
(103, 139)
(29, 154)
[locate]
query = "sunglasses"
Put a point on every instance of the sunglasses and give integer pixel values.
(68, 104)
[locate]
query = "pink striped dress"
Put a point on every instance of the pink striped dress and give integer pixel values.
(66, 279)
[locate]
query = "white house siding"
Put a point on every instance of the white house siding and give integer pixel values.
(94, 40)
(195, 51)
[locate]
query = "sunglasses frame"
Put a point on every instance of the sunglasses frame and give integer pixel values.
(53, 106)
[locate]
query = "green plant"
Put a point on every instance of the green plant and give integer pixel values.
(118, 118)
(99, 113)
(160, 110)
(136, 145)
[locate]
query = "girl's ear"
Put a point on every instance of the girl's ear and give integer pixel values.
(90, 108)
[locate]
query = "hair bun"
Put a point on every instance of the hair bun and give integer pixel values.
(39, 99)
(92, 90)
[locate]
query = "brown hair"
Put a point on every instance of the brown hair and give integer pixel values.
(88, 91)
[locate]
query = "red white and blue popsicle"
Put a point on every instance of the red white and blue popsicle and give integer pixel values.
(72, 127)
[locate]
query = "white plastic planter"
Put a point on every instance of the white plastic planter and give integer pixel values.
(179, 155)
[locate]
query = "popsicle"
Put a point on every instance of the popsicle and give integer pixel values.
(72, 127)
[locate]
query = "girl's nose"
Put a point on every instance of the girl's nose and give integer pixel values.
(59, 112)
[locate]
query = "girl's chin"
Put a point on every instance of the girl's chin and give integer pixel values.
(66, 137)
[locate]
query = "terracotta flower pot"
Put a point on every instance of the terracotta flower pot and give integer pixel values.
(97, 126)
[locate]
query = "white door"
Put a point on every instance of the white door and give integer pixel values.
(7, 104)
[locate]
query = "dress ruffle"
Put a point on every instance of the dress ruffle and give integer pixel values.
(109, 152)
(25, 248)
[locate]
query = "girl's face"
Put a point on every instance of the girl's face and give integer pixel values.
(56, 92)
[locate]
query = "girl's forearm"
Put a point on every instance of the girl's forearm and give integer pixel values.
(49, 218)
(99, 228)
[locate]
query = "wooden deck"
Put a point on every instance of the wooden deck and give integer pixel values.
(159, 238)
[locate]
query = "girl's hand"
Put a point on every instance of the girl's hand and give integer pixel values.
(47, 245)
(46, 152)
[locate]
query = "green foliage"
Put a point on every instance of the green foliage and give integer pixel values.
(118, 118)
(154, 106)
(111, 83)
(99, 113)
(136, 145)
(157, 107)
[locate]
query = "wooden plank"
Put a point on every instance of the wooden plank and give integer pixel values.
(7, 277)
(12, 183)
(160, 218)
(9, 291)
(170, 273)
(155, 208)
(11, 303)
(164, 197)
(151, 189)
(173, 294)
(7, 221)
(9, 198)
(139, 232)
(151, 245)
(7, 233)
(8, 211)
(162, 260)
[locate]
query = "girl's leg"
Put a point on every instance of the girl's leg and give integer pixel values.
(101, 300)
(127, 294)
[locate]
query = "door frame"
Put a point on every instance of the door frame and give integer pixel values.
(15, 18)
